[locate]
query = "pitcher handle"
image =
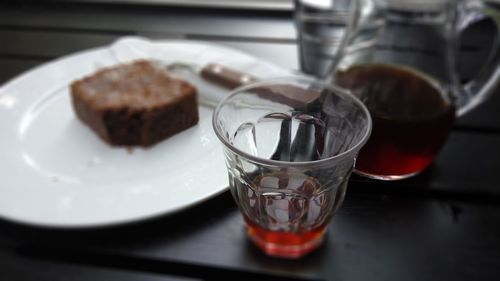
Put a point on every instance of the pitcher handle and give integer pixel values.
(479, 89)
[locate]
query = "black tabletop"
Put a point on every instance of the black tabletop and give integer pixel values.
(443, 224)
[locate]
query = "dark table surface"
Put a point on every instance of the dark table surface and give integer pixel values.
(441, 225)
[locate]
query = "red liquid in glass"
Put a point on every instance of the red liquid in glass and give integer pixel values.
(284, 243)
(411, 116)
(287, 214)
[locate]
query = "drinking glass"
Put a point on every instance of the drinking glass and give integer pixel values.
(408, 79)
(290, 146)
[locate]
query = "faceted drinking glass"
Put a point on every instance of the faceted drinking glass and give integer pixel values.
(290, 145)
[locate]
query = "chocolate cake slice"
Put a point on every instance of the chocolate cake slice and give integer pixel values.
(134, 104)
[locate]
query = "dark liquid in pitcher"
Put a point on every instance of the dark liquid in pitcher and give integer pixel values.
(411, 119)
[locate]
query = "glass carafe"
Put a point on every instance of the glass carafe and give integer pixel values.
(400, 60)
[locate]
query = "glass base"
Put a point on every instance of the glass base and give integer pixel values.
(286, 251)
(385, 177)
(285, 244)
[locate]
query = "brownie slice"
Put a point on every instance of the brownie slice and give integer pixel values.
(134, 104)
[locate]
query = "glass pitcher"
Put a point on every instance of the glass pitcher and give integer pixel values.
(400, 60)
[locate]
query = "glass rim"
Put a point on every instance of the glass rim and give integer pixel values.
(336, 89)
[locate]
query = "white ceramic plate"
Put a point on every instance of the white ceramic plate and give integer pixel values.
(55, 172)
